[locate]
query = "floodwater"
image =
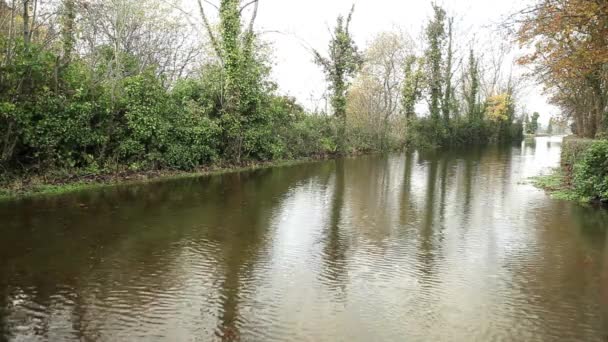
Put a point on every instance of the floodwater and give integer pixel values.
(444, 246)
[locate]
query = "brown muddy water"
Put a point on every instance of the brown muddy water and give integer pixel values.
(445, 246)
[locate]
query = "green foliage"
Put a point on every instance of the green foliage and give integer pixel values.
(425, 133)
(591, 172)
(145, 130)
(471, 88)
(111, 110)
(430, 133)
(532, 127)
(342, 64)
(311, 136)
(193, 141)
(557, 185)
(573, 150)
(412, 85)
(435, 35)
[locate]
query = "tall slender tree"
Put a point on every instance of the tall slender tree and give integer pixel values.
(341, 65)
(435, 35)
(446, 105)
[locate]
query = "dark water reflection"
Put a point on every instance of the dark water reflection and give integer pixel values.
(448, 246)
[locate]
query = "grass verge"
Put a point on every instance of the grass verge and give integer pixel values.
(49, 185)
(557, 185)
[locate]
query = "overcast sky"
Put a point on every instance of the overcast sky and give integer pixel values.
(296, 26)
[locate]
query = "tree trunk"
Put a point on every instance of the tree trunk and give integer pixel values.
(26, 22)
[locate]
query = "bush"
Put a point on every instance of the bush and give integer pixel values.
(427, 133)
(310, 135)
(591, 172)
(573, 149)
(194, 140)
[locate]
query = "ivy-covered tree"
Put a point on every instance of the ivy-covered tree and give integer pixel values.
(242, 72)
(340, 66)
(435, 36)
(448, 91)
(471, 88)
(412, 85)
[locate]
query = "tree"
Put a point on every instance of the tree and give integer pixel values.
(534, 123)
(412, 85)
(376, 94)
(550, 127)
(435, 36)
(471, 88)
(569, 43)
(448, 92)
(241, 70)
(498, 108)
(342, 64)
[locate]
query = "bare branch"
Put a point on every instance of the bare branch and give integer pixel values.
(247, 5)
(212, 4)
(253, 16)
(212, 37)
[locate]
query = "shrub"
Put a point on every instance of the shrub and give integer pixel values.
(310, 135)
(591, 172)
(425, 133)
(573, 149)
(146, 125)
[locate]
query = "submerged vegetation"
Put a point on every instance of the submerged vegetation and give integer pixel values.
(556, 183)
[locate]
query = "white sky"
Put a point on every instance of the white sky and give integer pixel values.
(296, 26)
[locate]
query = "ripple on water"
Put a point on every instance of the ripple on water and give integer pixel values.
(348, 250)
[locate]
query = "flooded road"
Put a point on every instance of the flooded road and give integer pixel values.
(443, 246)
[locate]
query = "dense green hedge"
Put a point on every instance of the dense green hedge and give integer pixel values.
(591, 171)
(573, 149)
(428, 133)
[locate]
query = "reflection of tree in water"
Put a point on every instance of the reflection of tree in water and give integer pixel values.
(138, 231)
(593, 219)
(427, 248)
(334, 251)
(4, 329)
(604, 287)
(443, 201)
(251, 202)
(503, 156)
(529, 146)
(408, 206)
(469, 165)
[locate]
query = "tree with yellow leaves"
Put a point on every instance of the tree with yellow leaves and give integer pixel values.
(498, 108)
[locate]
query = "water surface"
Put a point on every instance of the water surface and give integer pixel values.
(444, 246)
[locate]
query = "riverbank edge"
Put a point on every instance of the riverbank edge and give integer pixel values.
(34, 187)
(556, 184)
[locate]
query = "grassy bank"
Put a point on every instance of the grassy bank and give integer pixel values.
(583, 172)
(63, 183)
(557, 185)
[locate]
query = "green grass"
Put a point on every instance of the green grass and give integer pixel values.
(35, 187)
(556, 185)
